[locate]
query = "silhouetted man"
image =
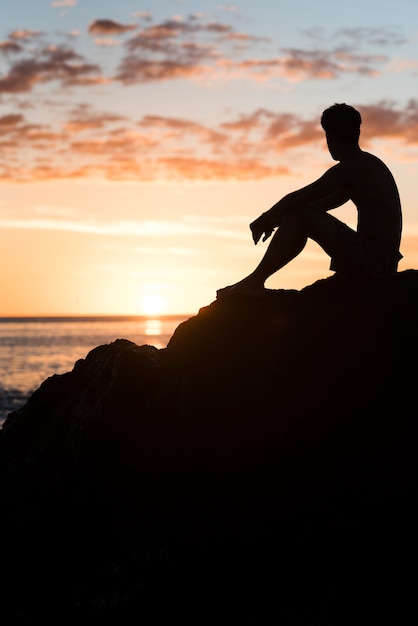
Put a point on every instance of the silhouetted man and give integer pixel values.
(372, 250)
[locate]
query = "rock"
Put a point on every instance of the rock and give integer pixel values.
(257, 466)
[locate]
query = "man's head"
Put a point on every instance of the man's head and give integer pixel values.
(342, 122)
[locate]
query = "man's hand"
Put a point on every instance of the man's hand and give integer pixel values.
(263, 225)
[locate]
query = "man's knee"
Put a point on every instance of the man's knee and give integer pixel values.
(315, 224)
(301, 218)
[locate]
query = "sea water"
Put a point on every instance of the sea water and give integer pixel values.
(32, 349)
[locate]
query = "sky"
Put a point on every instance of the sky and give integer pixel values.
(140, 139)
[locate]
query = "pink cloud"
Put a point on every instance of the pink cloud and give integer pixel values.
(384, 120)
(252, 146)
(214, 169)
(8, 46)
(83, 118)
(63, 3)
(24, 34)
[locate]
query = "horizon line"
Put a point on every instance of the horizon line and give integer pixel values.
(95, 316)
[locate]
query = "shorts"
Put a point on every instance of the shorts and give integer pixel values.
(356, 255)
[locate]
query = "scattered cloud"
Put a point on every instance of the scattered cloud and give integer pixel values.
(114, 147)
(84, 118)
(143, 15)
(191, 48)
(137, 228)
(275, 131)
(297, 64)
(8, 46)
(109, 145)
(384, 120)
(63, 3)
(24, 34)
(109, 27)
(106, 42)
(51, 63)
(354, 38)
(179, 48)
(10, 121)
(400, 66)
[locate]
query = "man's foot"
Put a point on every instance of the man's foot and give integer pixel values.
(242, 288)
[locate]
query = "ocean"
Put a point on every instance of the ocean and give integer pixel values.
(34, 348)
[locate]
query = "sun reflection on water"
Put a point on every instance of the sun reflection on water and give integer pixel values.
(153, 327)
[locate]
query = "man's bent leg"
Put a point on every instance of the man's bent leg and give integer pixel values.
(288, 241)
(322, 228)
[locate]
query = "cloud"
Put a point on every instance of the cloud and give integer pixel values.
(354, 38)
(297, 64)
(8, 46)
(191, 47)
(156, 147)
(178, 48)
(143, 15)
(275, 131)
(106, 42)
(379, 36)
(137, 228)
(109, 27)
(82, 142)
(135, 70)
(63, 3)
(400, 66)
(157, 37)
(191, 168)
(24, 34)
(175, 128)
(52, 63)
(384, 120)
(115, 147)
(84, 118)
(8, 122)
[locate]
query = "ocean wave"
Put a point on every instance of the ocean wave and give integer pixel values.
(10, 400)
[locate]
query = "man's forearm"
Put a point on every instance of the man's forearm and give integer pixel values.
(300, 199)
(283, 206)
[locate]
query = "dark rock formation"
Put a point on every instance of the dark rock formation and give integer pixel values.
(261, 469)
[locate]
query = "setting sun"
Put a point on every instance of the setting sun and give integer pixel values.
(152, 304)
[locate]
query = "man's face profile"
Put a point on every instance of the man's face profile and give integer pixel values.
(331, 146)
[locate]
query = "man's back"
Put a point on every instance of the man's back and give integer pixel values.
(373, 190)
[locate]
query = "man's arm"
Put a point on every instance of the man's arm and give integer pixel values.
(333, 200)
(326, 193)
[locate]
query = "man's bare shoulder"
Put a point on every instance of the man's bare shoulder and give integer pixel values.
(363, 175)
(362, 162)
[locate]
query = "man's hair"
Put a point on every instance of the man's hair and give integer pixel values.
(342, 122)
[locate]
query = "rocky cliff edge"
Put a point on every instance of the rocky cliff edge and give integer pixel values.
(262, 467)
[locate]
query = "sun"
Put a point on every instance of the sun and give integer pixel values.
(152, 304)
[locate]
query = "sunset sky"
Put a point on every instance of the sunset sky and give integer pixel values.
(139, 140)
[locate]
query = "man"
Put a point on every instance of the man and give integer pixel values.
(372, 250)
